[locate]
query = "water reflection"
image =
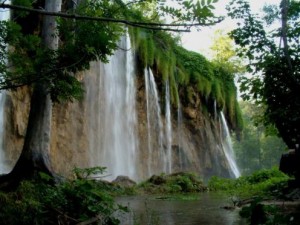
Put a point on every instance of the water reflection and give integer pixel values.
(153, 211)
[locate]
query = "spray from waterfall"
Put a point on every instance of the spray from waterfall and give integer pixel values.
(113, 142)
(168, 129)
(227, 147)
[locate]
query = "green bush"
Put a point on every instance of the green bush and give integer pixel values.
(174, 183)
(69, 202)
(261, 183)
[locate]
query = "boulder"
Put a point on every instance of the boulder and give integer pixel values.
(124, 181)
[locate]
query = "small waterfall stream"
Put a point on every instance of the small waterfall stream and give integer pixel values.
(154, 126)
(179, 136)
(168, 128)
(227, 147)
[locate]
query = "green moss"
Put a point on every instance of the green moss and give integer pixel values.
(188, 70)
(217, 93)
(239, 118)
(204, 85)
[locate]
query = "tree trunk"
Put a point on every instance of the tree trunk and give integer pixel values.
(284, 27)
(35, 153)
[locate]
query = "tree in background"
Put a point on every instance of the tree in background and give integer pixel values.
(224, 53)
(272, 46)
(86, 30)
(259, 147)
(273, 60)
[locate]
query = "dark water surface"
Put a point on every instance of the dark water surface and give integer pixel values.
(206, 210)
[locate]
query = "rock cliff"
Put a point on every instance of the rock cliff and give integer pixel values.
(196, 134)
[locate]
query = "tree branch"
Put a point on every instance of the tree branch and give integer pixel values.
(146, 25)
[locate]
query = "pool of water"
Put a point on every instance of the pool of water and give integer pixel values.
(205, 209)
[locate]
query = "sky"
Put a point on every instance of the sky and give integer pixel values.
(200, 41)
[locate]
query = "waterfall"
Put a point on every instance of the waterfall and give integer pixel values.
(113, 138)
(4, 15)
(168, 128)
(149, 160)
(156, 156)
(227, 147)
(179, 136)
(3, 166)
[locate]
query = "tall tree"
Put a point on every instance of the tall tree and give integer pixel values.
(273, 56)
(50, 45)
(35, 153)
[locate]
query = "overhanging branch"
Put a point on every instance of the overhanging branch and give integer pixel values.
(146, 25)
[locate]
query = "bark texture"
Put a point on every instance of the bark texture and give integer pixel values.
(35, 153)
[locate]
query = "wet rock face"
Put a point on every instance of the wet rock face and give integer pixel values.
(16, 112)
(195, 144)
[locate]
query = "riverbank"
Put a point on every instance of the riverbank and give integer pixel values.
(84, 198)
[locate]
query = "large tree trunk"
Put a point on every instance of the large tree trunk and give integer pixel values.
(35, 153)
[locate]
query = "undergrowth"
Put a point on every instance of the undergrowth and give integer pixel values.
(89, 201)
(261, 183)
(181, 182)
(69, 202)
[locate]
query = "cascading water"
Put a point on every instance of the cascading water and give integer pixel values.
(154, 126)
(113, 141)
(149, 161)
(181, 157)
(227, 147)
(168, 128)
(3, 166)
(4, 15)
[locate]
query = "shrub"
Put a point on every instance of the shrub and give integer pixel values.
(69, 202)
(174, 183)
(262, 183)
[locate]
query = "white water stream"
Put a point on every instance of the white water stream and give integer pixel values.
(154, 127)
(4, 168)
(227, 147)
(168, 128)
(3, 164)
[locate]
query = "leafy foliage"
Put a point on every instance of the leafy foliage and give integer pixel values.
(268, 214)
(33, 63)
(261, 183)
(276, 81)
(173, 183)
(69, 202)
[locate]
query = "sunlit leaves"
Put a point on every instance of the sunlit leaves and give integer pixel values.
(195, 12)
